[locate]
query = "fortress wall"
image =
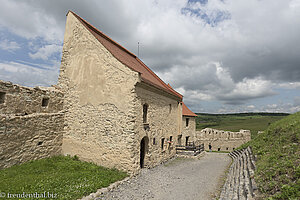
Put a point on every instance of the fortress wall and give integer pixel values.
(20, 100)
(222, 140)
(100, 101)
(29, 128)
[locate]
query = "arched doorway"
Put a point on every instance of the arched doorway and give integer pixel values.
(143, 150)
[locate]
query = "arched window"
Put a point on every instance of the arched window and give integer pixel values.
(145, 111)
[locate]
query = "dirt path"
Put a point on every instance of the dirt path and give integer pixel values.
(185, 179)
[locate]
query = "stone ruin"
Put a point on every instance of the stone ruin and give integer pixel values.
(218, 140)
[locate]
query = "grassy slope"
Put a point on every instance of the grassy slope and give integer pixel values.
(252, 122)
(65, 176)
(278, 159)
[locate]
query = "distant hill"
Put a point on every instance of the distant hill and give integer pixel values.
(278, 159)
(234, 122)
(246, 114)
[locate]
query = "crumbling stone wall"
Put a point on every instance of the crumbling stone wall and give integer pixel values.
(222, 140)
(22, 100)
(188, 131)
(29, 128)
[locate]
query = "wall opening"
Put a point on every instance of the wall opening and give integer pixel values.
(187, 122)
(45, 101)
(40, 143)
(219, 149)
(143, 150)
(154, 141)
(170, 141)
(209, 147)
(170, 108)
(145, 112)
(187, 140)
(2, 97)
(179, 139)
(226, 148)
(162, 143)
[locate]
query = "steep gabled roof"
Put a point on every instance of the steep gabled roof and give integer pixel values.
(187, 112)
(128, 58)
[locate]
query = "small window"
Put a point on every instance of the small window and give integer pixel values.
(226, 148)
(179, 139)
(40, 143)
(2, 97)
(170, 108)
(45, 101)
(219, 149)
(154, 143)
(187, 122)
(145, 111)
(233, 149)
(162, 143)
(171, 137)
(187, 140)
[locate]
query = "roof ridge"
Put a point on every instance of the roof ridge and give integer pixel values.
(103, 34)
(157, 77)
(98, 33)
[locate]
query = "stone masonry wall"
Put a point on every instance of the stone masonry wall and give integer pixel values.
(100, 101)
(29, 130)
(164, 122)
(22, 100)
(222, 140)
(188, 131)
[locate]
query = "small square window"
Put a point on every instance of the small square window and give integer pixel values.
(45, 101)
(2, 97)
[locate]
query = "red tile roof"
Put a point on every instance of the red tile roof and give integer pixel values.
(187, 112)
(128, 59)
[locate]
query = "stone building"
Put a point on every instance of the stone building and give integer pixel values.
(118, 112)
(188, 126)
(109, 108)
(218, 140)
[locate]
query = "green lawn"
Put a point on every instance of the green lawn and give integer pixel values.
(65, 177)
(278, 159)
(234, 122)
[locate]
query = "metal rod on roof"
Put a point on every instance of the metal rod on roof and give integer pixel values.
(138, 49)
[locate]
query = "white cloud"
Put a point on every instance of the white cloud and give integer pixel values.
(46, 51)
(28, 75)
(289, 85)
(228, 51)
(10, 46)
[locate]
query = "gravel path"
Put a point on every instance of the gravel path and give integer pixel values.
(186, 179)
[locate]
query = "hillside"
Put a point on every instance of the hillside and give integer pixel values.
(234, 122)
(278, 159)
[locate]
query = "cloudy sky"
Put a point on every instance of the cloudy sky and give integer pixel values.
(224, 56)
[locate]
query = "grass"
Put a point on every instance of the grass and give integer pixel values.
(234, 122)
(278, 159)
(66, 177)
